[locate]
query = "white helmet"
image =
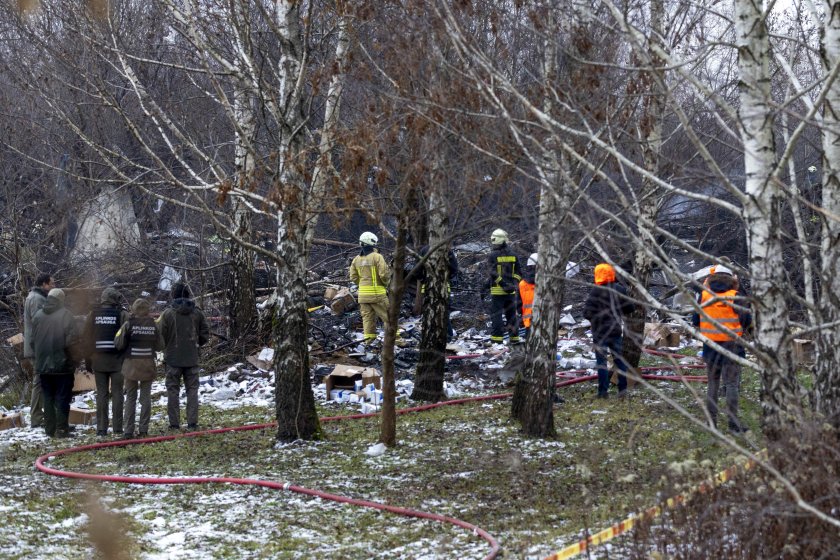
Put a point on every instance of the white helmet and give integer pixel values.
(532, 260)
(498, 237)
(367, 239)
(721, 269)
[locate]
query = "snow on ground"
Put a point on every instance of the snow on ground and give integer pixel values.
(184, 522)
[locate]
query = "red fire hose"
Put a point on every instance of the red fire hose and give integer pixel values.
(41, 465)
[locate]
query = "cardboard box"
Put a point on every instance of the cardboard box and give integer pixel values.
(804, 351)
(10, 420)
(84, 381)
(662, 335)
(342, 301)
(330, 292)
(345, 377)
(81, 416)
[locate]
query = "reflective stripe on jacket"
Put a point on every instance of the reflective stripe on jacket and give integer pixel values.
(105, 326)
(718, 308)
(371, 273)
(504, 271)
(526, 294)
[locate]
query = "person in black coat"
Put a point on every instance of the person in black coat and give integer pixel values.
(604, 308)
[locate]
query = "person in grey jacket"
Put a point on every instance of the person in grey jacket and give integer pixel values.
(56, 346)
(101, 326)
(34, 302)
(138, 339)
(184, 329)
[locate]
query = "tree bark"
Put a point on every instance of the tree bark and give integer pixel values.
(428, 385)
(650, 136)
(762, 217)
(826, 394)
(388, 426)
(241, 297)
(294, 401)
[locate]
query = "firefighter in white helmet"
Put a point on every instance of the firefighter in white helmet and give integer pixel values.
(503, 276)
(372, 274)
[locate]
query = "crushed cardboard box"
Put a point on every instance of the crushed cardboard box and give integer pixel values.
(344, 377)
(10, 420)
(83, 381)
(662, 335)
(81, 416)
(263, 361)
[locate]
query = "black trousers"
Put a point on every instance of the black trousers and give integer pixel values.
(503, 317)
(57, 389)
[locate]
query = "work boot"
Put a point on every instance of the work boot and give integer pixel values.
(192, 427)
(102, 433)
(736, 428)
(128, 435)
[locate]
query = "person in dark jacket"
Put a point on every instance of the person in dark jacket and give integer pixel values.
(724, 320)
(101, 326)
(34, 302)
(604, 308)
(56, 345)
(183, 329)
(503, 276)
(138, 339)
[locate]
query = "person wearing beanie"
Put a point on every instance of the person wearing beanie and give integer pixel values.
(34, 302)
(138, 339)
(101, 326)
(183, 329)
(56, 348)
(604, 308)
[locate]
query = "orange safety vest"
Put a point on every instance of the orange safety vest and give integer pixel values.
(722, 312)
(526, 294)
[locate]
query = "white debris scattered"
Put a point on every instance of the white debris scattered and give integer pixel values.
(375, 450)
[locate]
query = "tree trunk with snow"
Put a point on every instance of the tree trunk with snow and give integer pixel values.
(827, 387)
(294, 401)
(428, 385)
(762, 217)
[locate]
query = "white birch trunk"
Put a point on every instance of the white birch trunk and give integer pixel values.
(762, 216)
(294, 401)
(241, 297)
(827, 386)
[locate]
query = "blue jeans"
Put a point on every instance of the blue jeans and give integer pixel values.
(613, 345)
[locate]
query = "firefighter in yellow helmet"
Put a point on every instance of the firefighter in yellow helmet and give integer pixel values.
(372, 274)
(503, 276)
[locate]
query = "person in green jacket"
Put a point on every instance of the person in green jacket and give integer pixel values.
(34, 302)
(184, 329)
(138, 339)
(101, 326)
(56, 345)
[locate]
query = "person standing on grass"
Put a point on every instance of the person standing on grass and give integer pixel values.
(604, 308)
(138, 339)
(184, 330)
(34, 302)
(56, 347)
(105, 361)
(724, 319)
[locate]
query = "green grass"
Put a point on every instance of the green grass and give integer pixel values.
(610, 458)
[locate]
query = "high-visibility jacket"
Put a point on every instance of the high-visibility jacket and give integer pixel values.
(372, 274)
(505, 272)
(526, 294)
(719, 307)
